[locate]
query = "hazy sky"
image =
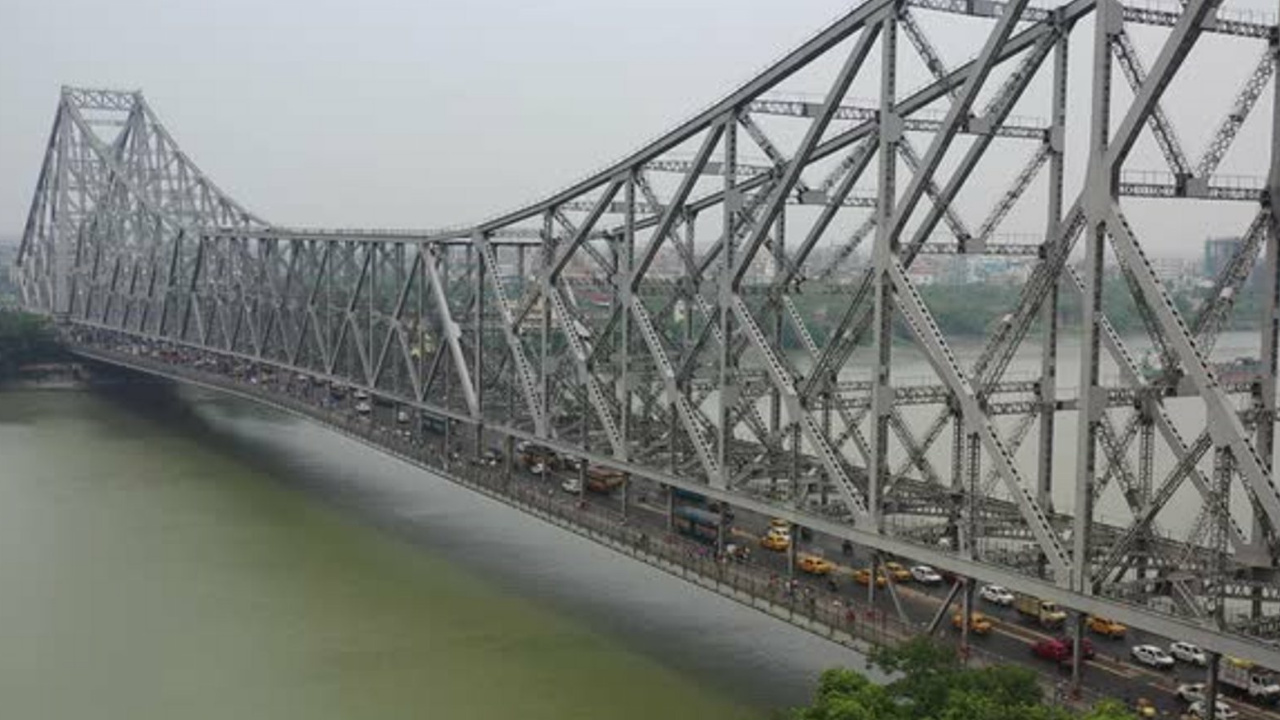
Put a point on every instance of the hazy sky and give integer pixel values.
(386, 112)
(415, 113)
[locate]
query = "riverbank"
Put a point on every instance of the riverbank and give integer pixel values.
(58, 376)
(31, 354)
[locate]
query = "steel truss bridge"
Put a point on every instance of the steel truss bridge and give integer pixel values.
(658, 316)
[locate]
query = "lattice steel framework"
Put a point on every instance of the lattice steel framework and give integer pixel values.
(657, 317)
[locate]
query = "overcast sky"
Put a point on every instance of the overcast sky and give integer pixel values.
(417, 113)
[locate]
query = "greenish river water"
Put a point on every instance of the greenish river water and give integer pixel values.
(197, 557)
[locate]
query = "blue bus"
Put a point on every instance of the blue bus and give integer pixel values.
(697, 523)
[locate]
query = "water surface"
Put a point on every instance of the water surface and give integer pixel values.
(198, 557)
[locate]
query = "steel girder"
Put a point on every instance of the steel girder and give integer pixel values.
(658, 318)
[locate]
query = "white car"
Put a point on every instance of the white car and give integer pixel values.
(363, 408)
(1152, 655)
(1190, 692)
(1223, 711)
(1188, 653)
(572, 485)
(996, 594)
(925, 575)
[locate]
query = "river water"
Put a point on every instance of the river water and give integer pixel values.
(187, 556)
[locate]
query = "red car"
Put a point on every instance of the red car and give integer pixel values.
(1059, 649)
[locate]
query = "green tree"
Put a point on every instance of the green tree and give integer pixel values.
(930, 684)
(24, 339)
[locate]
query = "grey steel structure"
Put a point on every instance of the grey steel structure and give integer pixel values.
(650, 318)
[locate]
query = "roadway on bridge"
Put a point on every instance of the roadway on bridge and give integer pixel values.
(1110, 674)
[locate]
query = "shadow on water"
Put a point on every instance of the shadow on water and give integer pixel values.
(741, 653)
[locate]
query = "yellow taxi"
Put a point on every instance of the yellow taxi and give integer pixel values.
(897, 572)
(774, 540)
(1105, 626)
(815, 565)
(862, 576)
(978, 623)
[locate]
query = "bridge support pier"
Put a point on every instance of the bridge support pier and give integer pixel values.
(508, 458)
(671, 508)
(1077, 652)
(792, 549)
(966, 618)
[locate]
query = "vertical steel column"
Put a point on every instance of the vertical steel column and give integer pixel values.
(625, 260)
(1265, 400)
(690, 235)
(371, 249)
(447, 378)
(397, 319)
(625, 257)
(973, 457)
(1099, 193)
(508, 454)
(1049, 351)
(1211, 685)
(514, 391)
(477, 376)
(1146, 473)
(779, 269)
(60, 297)
(671, 507)
(544, 331)
(958, 479)
(1221, 518)
(886, 248)
(420, 330)
(1223, 467)
(728, 391)
(792, 548)
(966, 618)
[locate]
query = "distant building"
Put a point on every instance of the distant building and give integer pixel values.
(1217, 253)
(1174, 271)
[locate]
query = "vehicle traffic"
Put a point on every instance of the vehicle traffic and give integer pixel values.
(862, 576)
(534, 456)
(897, 571)
(1061, 649)
(603, 480)
(926, 575)
(1190, 692)
(1106, 627)
(776, 540)
(1222, 711)
(1045, 612)
(814, 565)
(996, 594)
(978, 623)
(1188, 653)
(1152, 656)
(697, 523)
(1244, 679)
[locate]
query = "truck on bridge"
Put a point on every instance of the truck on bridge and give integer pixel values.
(1045, 612)
(603, 480)
(538, 458)
(1245, 679)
